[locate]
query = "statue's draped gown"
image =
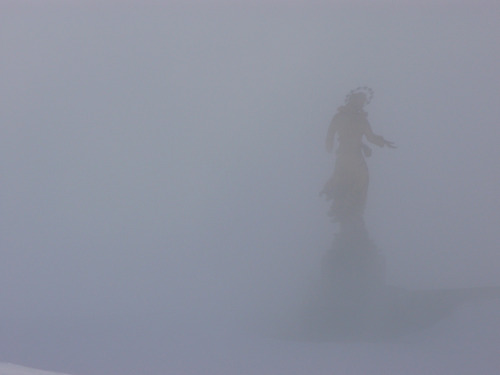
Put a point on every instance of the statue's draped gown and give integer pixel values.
(349, 184)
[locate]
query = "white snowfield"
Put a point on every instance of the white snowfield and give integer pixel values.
(467, 342)
(11, 369)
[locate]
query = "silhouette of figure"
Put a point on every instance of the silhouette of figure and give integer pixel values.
(352, 299)
(348, 186)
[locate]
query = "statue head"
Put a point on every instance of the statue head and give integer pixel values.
(357, 101)
(358, 98)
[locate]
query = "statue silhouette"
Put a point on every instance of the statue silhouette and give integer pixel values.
(348, 186)
(354, 260)
(352, 299)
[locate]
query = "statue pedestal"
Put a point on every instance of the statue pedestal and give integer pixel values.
(353, 301)
(353, 262)
(352, 287)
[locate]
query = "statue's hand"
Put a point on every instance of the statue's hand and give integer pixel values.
(389, 144)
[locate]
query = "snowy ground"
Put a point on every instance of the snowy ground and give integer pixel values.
(10, 369)
(468, 342)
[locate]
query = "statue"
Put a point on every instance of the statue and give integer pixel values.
(352, 299)
(354, 259)
(348, 186)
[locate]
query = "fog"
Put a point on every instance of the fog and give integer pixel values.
(166, 158)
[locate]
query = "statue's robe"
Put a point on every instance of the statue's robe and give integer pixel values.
(348, 186)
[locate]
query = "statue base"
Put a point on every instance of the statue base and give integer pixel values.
(381, 314)
(353, 301)
(351, 288)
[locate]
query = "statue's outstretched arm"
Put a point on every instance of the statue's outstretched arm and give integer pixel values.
(377, 139)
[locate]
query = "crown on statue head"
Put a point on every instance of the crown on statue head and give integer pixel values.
(367, 91)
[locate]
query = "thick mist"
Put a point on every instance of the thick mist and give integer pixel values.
(167, 159)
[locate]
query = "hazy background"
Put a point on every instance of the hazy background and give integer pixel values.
(167, 158)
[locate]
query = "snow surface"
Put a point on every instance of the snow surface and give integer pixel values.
(466, 342)
(11, 369)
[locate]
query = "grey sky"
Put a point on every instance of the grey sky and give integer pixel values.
(168, 157)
